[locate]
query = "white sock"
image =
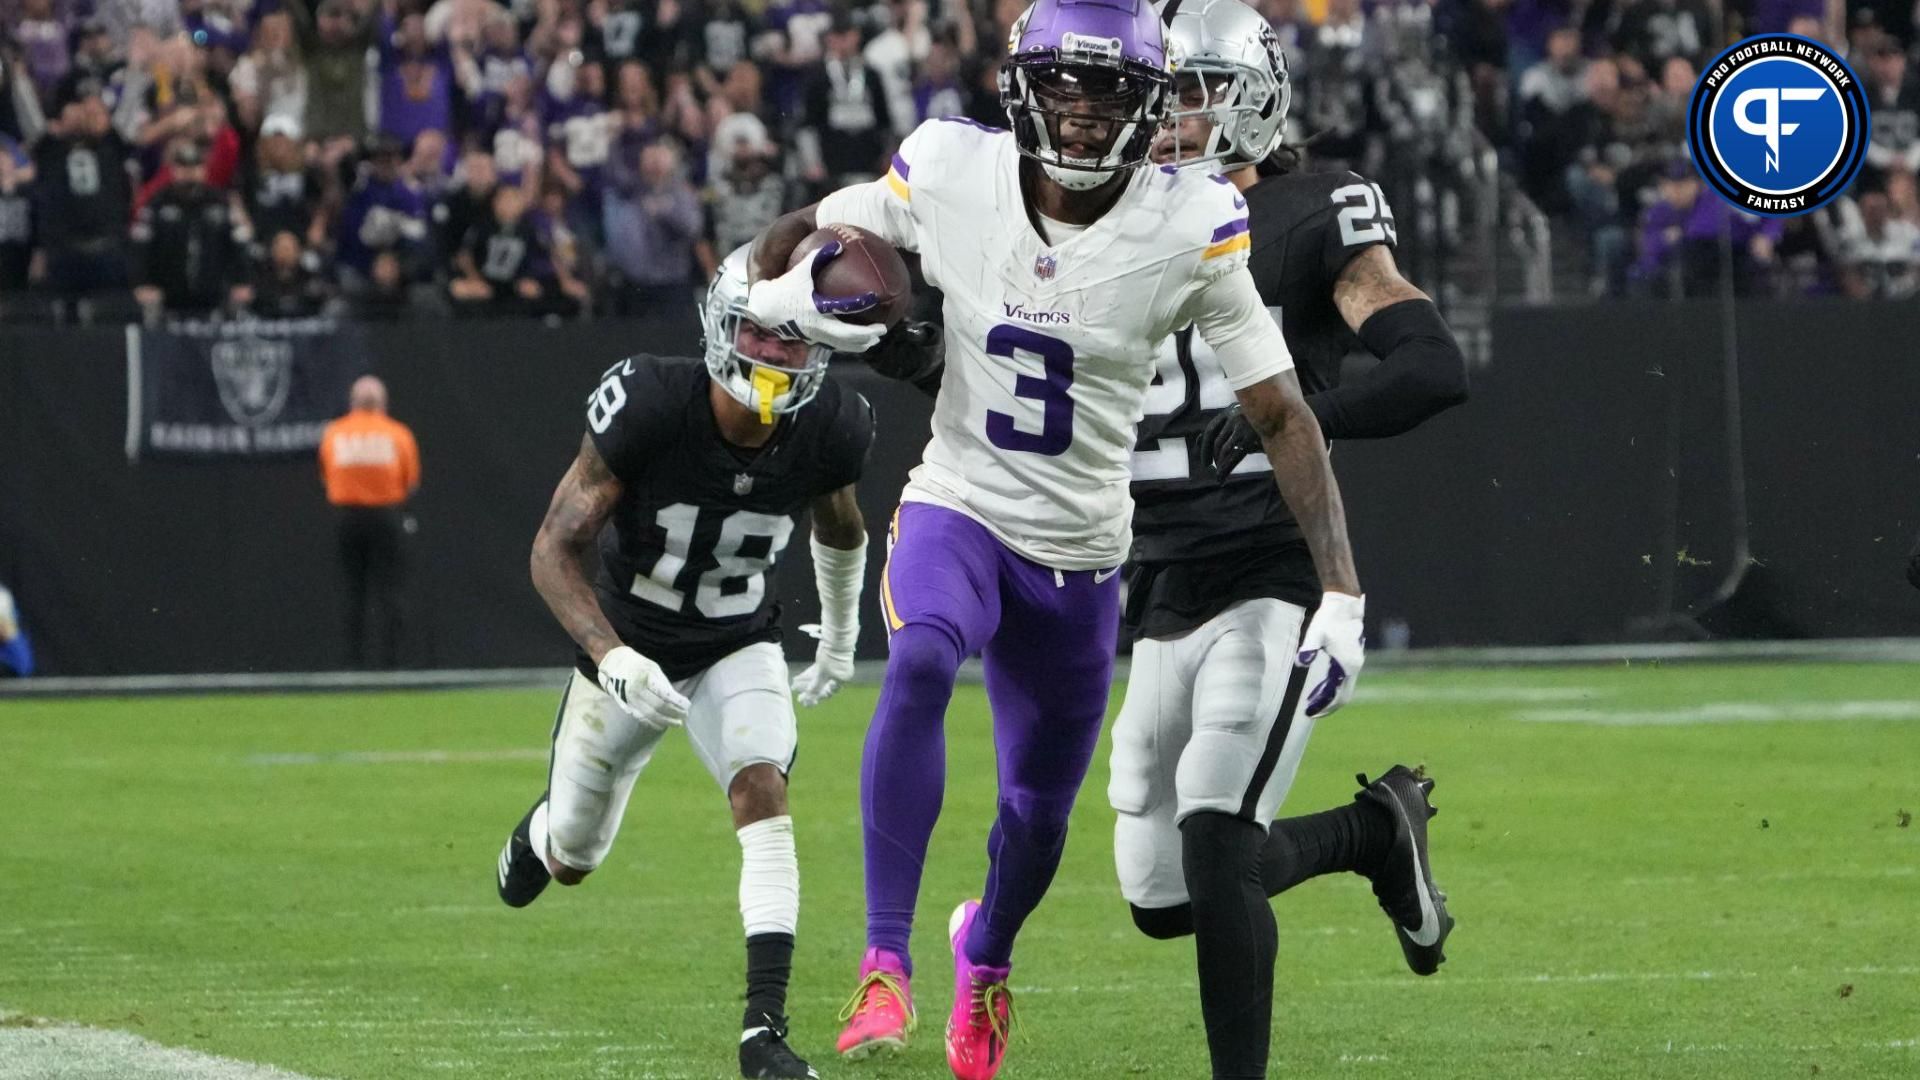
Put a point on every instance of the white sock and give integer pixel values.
(537, 834)
(769, 877)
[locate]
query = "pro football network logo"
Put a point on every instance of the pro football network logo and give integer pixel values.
(1778, 125)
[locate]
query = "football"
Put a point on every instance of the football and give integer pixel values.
(865, 264)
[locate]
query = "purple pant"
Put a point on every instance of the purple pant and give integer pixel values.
(1046, 638)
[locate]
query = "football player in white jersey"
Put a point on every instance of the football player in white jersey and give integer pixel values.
(1065, 260)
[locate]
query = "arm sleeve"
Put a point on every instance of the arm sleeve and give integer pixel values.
(1230, 316)
(1421, 373)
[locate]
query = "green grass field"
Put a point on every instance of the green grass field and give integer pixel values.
(1658, 871)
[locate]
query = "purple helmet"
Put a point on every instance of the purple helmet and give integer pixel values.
(1085, 86)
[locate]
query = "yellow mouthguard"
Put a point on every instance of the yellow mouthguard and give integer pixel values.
(771, 384)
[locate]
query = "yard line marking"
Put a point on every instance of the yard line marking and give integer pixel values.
(401, 757)
(33, 1050)
(1729, 712)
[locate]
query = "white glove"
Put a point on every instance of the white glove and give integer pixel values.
(642, 689)
(789, 304)
(1335, 629)
(830, 671)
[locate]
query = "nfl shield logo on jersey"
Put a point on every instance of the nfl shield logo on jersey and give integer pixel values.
(1043, 267)
(742, 483)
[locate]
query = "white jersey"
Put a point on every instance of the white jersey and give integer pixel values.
(1050, 347)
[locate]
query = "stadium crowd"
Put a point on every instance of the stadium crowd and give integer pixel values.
(556, 157)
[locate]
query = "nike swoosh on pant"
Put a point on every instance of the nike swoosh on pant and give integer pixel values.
(1100, 576)
(1429, 931)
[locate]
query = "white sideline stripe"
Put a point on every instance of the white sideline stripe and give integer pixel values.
(868, 672)
(1729, 712)
(68, 1052)
(401, 757)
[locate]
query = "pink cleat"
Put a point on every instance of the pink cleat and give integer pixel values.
(982, 1016)
(880, 1013)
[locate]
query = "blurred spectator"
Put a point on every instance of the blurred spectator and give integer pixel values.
(385, 296)
(16, 215)
(384, 212)
(726, 35)
(847, 127)
(416, 79)
(1774, 16)
(42, 39)
(499, 63)
(939, 91)
(333, 40)
(896, 54)
(653, 220)
(286, 284)
(190, 240)
(1550, 92)
(20, 116)
(1894, 96)
(579, 136)
(512, 131)
(283, 192)
(465, 202)
(506, 267)
(792, 48)
(1878, 251)
(96, 63)
(1335, 103)
(269, 82)
(16, 652)
(427, 165)
(1681, 234)
(684, 118)
(83, 199)
(1652, 31)
(746, 193)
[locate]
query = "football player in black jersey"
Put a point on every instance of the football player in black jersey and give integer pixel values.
(689, 479)
(1214, 724)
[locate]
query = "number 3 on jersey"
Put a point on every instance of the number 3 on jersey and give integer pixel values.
(1056, 359)
(747, 544)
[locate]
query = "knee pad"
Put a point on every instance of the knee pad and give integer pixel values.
(1146, 859)
(579, 834)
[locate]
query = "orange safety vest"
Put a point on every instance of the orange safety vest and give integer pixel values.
(369, 459)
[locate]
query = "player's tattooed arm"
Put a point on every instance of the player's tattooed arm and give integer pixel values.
(581, 505)
(773, 248)
(1371, 282)
(1298, 453)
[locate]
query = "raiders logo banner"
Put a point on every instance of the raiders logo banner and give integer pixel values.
(251, 388)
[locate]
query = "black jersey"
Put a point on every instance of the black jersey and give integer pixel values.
(686, 558)
(1200, 545)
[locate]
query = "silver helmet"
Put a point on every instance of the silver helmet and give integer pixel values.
(768, 389)
(1229, 70)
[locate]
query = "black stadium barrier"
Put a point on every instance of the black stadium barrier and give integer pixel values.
(1587, 493)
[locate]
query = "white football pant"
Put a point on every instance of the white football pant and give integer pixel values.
(740, 713)
(1214, 720)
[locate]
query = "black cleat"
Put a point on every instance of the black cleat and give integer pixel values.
(523, 872)
(1405, 886)
(765, 1055)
